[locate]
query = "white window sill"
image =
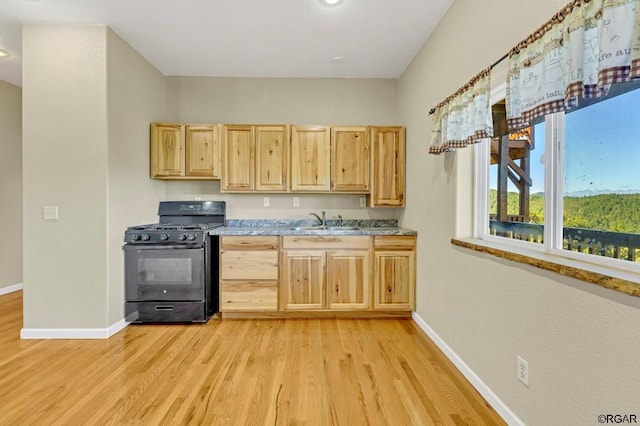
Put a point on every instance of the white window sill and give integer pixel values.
(615, 279)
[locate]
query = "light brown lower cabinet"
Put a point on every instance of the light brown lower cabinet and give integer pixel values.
(248, 273)
(348, 279)
(303, 279)
(325, 273)
(395, 269)
(291, 275)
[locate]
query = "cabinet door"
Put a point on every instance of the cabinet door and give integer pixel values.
(349, 159)
(272, 150)
(348, 280)
(310, 158)
(238, 158)
(167, 150)
(202, 151)
(303, 280)
(394, 282)
(388, 167)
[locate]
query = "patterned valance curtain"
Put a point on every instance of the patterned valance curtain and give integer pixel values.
(584, 49)
(463, 118)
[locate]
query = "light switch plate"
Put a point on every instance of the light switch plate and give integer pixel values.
(50, 212)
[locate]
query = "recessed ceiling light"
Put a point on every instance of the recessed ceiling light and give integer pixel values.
(337, 60)
(4, 54)
(330, 2)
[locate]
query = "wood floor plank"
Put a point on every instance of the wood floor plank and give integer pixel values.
(235, 372)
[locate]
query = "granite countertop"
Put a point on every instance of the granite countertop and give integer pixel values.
(286, 227)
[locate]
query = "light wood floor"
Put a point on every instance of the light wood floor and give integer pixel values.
(236, 372)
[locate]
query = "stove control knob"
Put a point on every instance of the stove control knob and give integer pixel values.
(136, 237)
(164, 237)
(191, 237)
(182, 237)
(145, 237)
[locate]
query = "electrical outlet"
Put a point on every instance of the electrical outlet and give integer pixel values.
(363, 201)
(296, 201)
(266, 202)
(523, 371)
(50, 212)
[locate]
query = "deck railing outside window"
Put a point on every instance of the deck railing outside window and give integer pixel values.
(602, 243)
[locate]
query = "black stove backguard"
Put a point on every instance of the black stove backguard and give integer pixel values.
(171, 268)
(186, 212)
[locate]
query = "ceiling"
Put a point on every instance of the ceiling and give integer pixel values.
(243, 38)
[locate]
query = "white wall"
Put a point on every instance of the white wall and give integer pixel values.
(10, 184)
(65, 164)
(136, 93)
(581, 340)
(87, 109)
(286, 101)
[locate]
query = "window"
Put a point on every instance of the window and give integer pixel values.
(601, 178)
(568, 186)
(516, 185)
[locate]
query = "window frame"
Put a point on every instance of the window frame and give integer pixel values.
(553, 208)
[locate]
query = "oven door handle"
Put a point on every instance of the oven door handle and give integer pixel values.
(164, 307)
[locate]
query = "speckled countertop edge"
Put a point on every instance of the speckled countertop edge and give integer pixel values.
(284, 227)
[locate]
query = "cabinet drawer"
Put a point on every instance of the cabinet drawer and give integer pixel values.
(248, 296)
(249, 265)
(325, 242)
(249, 242)
(394, 242)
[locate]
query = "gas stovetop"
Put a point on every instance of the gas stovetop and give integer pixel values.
(174, 227)
(164, 233)
(181, 222)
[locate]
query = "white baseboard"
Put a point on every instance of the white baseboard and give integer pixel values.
(486, 392)
(10, 289)
(65, 333)
(72, 333)
(114, 328)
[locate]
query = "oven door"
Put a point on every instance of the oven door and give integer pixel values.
(164, 273)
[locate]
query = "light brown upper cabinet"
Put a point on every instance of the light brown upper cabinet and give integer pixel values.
(238, 158)
(310, 158)
(350, 159)
(272, 157)
(254, 158)
(184, 151)
(387, 167)
(202, 156)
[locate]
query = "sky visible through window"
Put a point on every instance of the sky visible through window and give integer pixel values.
(602, 149)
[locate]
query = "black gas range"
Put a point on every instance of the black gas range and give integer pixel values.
(171, 267)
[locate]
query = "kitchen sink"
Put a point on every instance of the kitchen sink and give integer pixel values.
(309, 228)
(325, 228)
(342, 228)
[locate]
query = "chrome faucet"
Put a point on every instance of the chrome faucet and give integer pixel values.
(339, 220)
(322, 221)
